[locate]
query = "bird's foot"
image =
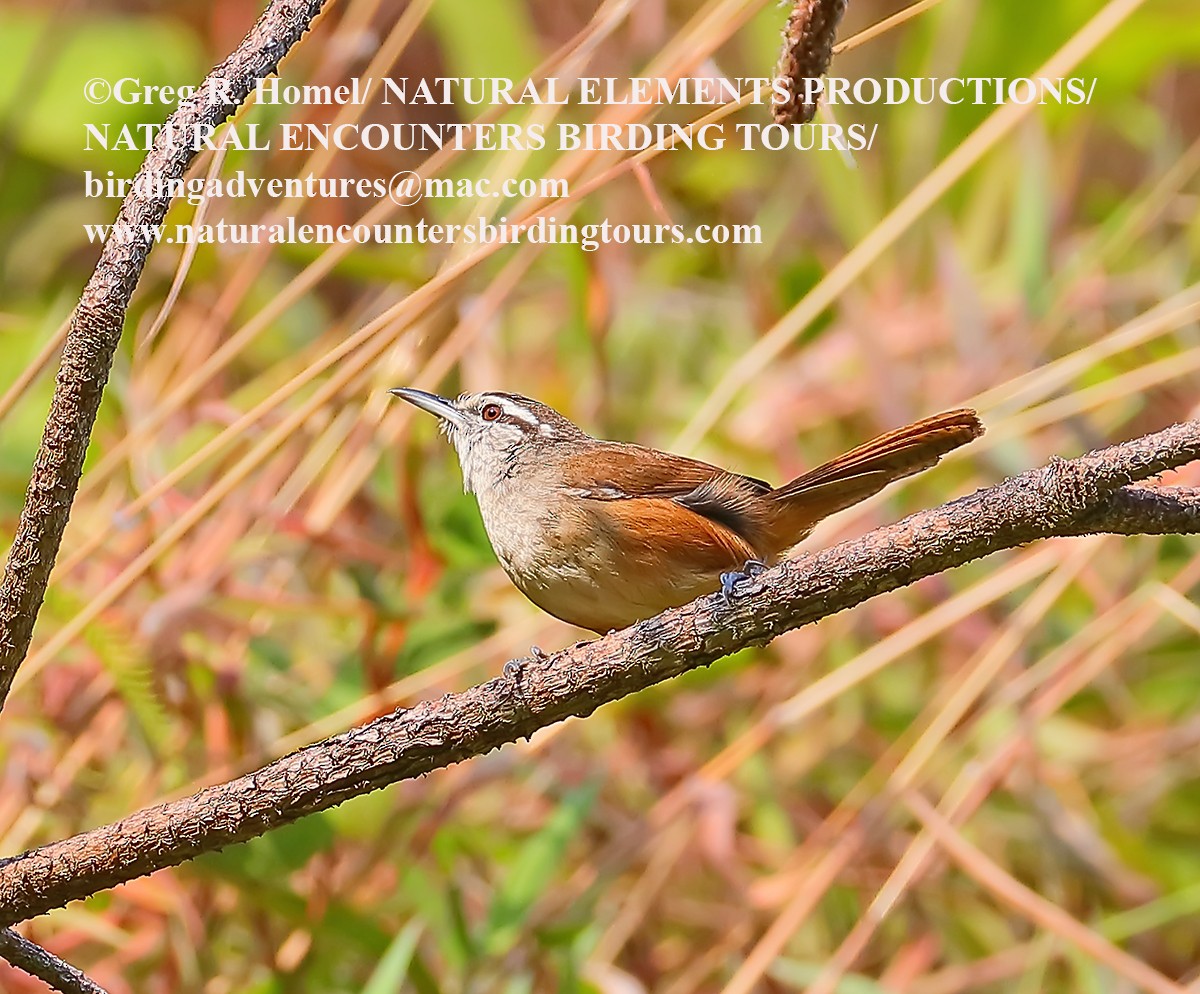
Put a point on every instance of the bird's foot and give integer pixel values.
(729, 581)
(514, 669)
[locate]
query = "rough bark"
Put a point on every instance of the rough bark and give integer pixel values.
(1081, 496)
(37, 962)
(808, 40)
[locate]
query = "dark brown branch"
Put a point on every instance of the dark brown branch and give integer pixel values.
(1085, 495)
(96, 324)
(47, 967)
(808, 41)
(1147, 511)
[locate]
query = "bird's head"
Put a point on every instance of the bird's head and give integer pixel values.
(492, 431)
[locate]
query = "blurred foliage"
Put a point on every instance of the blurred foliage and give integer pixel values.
(658, 844)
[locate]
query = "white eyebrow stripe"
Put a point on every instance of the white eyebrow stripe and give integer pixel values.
(516, 411)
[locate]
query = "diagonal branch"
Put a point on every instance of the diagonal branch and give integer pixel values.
(96, 324)
(1081, 496)
(37, 962)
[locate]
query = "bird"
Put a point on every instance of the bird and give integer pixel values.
(603, 534)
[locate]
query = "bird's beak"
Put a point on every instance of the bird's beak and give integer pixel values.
(432, 403)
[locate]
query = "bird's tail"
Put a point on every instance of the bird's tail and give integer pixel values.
(866, 470)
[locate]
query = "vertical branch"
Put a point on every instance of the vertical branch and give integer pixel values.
(95, 327)
(807, 50)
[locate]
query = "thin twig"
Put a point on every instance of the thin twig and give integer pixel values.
(96, 324)
(808, 41)
(1087, 495)
(37, 962)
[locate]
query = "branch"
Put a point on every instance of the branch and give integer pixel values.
(96, 324)
(37, 962)
(1082, 496)
(808, 39)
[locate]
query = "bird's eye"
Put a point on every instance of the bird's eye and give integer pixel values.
(491, 412)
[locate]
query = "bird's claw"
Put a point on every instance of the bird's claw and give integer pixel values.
(729, 581)
(514, 669)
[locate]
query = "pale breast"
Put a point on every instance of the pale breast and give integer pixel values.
(580, 565)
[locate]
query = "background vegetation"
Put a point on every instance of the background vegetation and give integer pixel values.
(267, 550)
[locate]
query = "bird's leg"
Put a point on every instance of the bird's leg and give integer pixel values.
(729, 581)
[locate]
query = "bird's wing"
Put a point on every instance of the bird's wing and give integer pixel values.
(614, 470)
(624, 472)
